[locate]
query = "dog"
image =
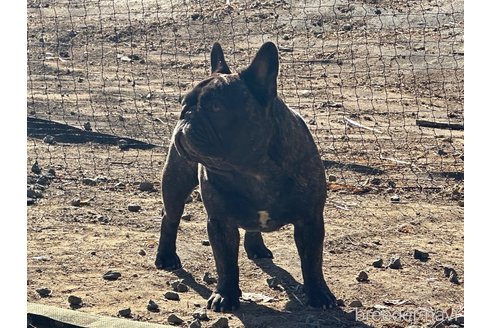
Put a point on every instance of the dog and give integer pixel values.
(257, 168)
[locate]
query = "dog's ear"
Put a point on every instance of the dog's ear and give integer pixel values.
(261, 74)
(217, 60)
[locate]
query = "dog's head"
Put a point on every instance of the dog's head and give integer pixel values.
(226, 121)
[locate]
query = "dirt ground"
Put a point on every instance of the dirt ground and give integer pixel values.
(394, 186)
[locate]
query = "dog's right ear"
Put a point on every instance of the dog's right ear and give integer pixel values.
(217, 60)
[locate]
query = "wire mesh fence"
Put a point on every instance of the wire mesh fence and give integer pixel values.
(378, 82)
(364, 75)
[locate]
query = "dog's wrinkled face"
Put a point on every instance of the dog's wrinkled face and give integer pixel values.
(223, 116)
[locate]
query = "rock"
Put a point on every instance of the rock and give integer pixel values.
(44, 292)
(420, 255)
(378, 12)
(31, 193)
(174, 320)
(355, 303)
(209, 279)
(273, 282)
(172, 296)
(75, 202)
(201, 314)
(375, 181)
(395, 198)
(186, 217)
(43, 180)
(340, 302)
(74, 300)
(51, 172)
(395, 263)
(453, 277)
(50, 140)
(221, 323)
(189, 199)
(35, 168)
(448, 271)
(146, 186)
(30, 201)
(178, 286)
(378, 263)
(134, 207)
(123, 144)
(111, 275)
(332, 178)
(89, 181)
(103, 219)
(362, 277)
(152, 306)
(205, 242)
(195, 324)
(87, 126)
(126, 312)
(142, 252)
(347, 27)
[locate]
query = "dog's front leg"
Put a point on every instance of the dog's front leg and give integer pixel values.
(309, 236)
(224, 239)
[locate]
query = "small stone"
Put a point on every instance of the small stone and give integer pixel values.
(201, 314)
(126, 312)
(362, 277)
(186, 217)
(174, 320)
(152, 306)
(395, 198)
(221, 323)
(355, 303)
(378, 263)
(74, 300)
(142, 252)
(347, 27)
(89, 181)
(332, 178)
(205, 242)
(87, 126)
(111, 275)
(123, 144)
(35, 168)
(172, 296)
(395, 263)
(273, 282)
(31, 193)
(420, 255)
(50, 140)
(75, 202)
(146, 186)
(195, 324)
(453, 277)
(378, 12)
(51, 173)
(179, 287)
(375, 181)
(44, 292)
(448, 271)
(340, 302)
(103, 219)
(30, 201)
(134, 207)
(209, 279)
(43, 180)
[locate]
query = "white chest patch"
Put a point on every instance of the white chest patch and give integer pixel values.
(263, 218)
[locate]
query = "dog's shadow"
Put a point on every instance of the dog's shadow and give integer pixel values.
(296, 313)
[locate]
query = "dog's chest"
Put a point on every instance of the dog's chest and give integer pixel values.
(255, 204)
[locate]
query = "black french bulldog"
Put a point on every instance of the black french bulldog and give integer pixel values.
(258, 168)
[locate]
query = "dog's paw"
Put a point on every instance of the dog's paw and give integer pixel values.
(223, 303)
(258, 252)
(168, 262)
(322, 298)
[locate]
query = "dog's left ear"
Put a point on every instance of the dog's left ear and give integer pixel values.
(217, 60)
(261, 74)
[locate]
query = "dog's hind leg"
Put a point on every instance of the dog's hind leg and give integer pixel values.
(179, 178)
(255, 247)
